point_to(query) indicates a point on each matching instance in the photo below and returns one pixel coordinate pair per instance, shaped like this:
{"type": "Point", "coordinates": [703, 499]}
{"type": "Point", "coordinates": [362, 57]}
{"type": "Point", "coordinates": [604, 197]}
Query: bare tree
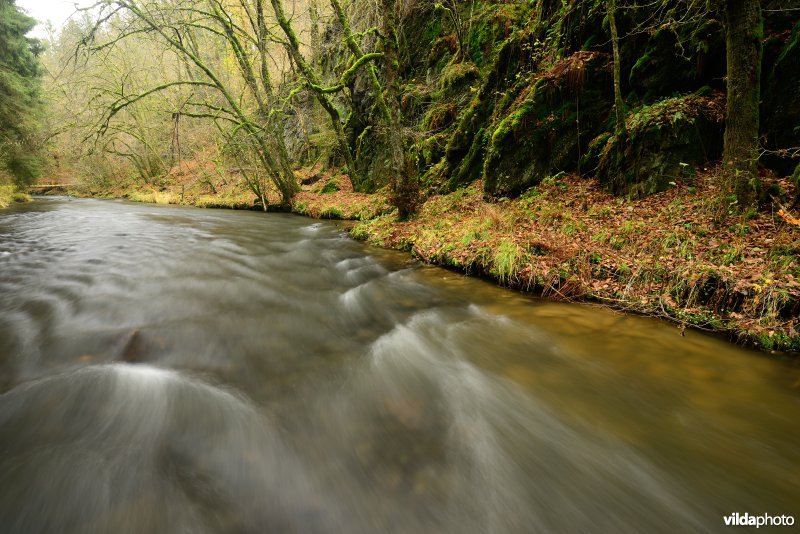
{"type": "Point", "coordinates": [179, 25]}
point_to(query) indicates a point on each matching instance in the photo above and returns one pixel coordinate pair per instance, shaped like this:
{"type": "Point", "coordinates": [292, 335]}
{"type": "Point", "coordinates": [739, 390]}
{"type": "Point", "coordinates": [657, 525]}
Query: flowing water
{"type": "Point", "coordinates": [172, 370]}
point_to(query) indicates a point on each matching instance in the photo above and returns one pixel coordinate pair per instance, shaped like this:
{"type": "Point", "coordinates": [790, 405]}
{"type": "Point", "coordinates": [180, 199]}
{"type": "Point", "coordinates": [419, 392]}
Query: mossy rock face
{"type": "Point", "coordinates": [466, 147]}
{"type": "Point", "coordinates": [458, 76]}
{"type": "Point", "coordinates": [666, 67]}
{"type": "Point", "coordinates": [440, 117]}
{"type": "Point", "coordinates": [429, 151]}
{"type": "Point", "coordinates": [372, 157]}
{"type": "Point", "coordinates": [575, 25]}
{"type": "Point", "coordinates": [421, 33]}
{"type": "Point", "coordinates": [665, 142]}
{"type": "Point", "coordinates": [781, 106]}
{"type": "Point", "coordinates": [544, 129]}
{"type": "Point", "coordinates": [412, 98]}
{"type": "Point", "coordinates": [493, 24]}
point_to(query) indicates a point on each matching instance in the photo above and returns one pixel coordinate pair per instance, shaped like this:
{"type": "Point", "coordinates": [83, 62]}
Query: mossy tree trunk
{"type": "Point", "coordinates": [358, 53]}
{"type": "Point", "coordinates": [314, 83]}
{"type": "Point", "coordinates": [743, 42]}
{"type": "Point", "coordinates": [619, 105]}
{"type": "Point", "coordinates": [405, 189]}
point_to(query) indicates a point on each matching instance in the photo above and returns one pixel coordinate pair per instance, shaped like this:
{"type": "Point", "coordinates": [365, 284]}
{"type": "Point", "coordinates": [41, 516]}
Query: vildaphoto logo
{"type": "Point", "coordinates": [764, 520]}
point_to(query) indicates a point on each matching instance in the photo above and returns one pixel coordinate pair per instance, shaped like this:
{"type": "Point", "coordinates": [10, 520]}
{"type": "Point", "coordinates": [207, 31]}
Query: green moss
{"type": "Point", "coordinates": [330, 187]}
{"type": "Point", "coordinates": [665, 142]}
{"type": "Point", "coordinates": [777, 340]}
{"type": "Point", "coordinates": [300, 207]}
{"type": "Point", "coordinates": [139, 196]}
{"type": "Point", "coordinates": [433, 29]}
{"type": "Point", "coordinates": [458, 75]}
{"type": "Point", "coordinates": [227, 202]}
{"type": "Point", "coordinates": [470, 236]}
{"type": "Point", "coordinates": [513, 121]}
{"type": "Point", "coordinates": [701, 319]}
{"type": "Point", "coordinates": [439, 116]}
{"type": "Point", "coordinates": [331, 213]}
{"type": "Point", "coordinates": [6, 195]}
{"type": "Point", "coordinates": [493, 24]}
{"type": "Point", "coordinates": [10, 194]}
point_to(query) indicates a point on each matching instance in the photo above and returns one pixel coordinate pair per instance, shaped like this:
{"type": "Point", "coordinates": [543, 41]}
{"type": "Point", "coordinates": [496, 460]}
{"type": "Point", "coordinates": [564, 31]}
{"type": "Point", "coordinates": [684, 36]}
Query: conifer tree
{"type": "Point", "coordinates": [20, 88]}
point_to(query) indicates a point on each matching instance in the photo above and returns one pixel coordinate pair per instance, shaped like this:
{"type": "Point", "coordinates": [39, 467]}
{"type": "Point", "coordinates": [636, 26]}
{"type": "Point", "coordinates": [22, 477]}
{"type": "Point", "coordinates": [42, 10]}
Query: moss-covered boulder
{"type": "Point", "coordinates": [549, 124]}
{"type": "Point", "coordinates": [665, 142]}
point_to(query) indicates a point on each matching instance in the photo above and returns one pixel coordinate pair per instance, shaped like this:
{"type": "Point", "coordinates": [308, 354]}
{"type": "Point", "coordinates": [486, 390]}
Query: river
{"type": "Point", "coordinates": [170, 369]}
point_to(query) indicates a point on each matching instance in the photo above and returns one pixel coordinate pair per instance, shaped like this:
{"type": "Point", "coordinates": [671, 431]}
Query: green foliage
{"type": "Point", "coordinates": [769, 342]}
{"type": "Point", "coordinates": [330, 187]}
{"type": "Point", "coordinates": [507, 259]}
{"type": "Point", "coordinates": [20, 88]}
{"type": "Point", "coordinates": [702, 320]}
{"type": "Point", "coordinates": [19, 196]}
{"type": "Point", "coordinates": [491, 26]}
{"type": "Point", "coordinates": [438, 117]}
{"type": "Point", "coordinates": [6, 195]}
{"type": "Point", "coordinates": [331, 213]}
{"type": "Point", "coordinates": [741, 229]}
{"type": "Point", "coordinates": [570, 228]}
{"type": "Point", "coordinates": [470, 236]}
{"type": "Point", "coordinates": [727, 254]}
{"type": "Point", "coordinates": [433, 29]}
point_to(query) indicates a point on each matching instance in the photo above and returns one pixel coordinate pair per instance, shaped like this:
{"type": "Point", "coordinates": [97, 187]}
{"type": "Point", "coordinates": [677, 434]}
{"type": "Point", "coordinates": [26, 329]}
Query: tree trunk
{"type": "Point", "coordinates": [278, 167]}
{"type": "Point", "coordinates": [743, 42]}
{"type": "Point", "coordinates": [405, 189]}
{"type": "Point", "coordinates": [619, 105]}
{"type": "Point", "coordinates": [314, 81]}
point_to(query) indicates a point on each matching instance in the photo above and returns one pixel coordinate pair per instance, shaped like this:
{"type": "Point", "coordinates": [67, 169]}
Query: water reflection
{"type": "Point", "coordinates": [170, 369]}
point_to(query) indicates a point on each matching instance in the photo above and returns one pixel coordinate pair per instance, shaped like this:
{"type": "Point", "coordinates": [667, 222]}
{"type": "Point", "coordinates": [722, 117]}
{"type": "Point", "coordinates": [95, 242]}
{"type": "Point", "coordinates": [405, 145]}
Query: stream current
{"type": "Point", "coordinates": [169, 369]}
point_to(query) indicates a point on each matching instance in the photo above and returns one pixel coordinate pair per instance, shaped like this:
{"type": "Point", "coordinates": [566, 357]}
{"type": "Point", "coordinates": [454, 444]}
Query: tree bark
{"type": "Point", "coordinates": [619, 105]}
{"type": "Point", "coordinates": [314, 83]}
{"type": "Point", "coordinates": [743, 42]}
{"type": "Point", "coordinates": [405, 189]}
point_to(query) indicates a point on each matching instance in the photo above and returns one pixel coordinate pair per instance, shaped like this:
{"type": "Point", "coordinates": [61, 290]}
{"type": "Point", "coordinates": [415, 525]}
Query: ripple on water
{"type": "Point", "coordinates": [344, 392]}
{"type": "Point", "coordinates": [151, 449]}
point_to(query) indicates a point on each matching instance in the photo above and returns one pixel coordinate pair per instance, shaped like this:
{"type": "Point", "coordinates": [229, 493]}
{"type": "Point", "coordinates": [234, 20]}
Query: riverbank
{"type": "Point", "coordinates": [10, 194]}
{"type": "Point", "coordinates": [681, 255]}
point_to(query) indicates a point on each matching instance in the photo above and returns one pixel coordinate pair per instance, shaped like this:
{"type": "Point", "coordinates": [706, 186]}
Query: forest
{"type": "Point", "coordinates": [640, 154]}
{"type": "Point", "coordinates": [399, 266]}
